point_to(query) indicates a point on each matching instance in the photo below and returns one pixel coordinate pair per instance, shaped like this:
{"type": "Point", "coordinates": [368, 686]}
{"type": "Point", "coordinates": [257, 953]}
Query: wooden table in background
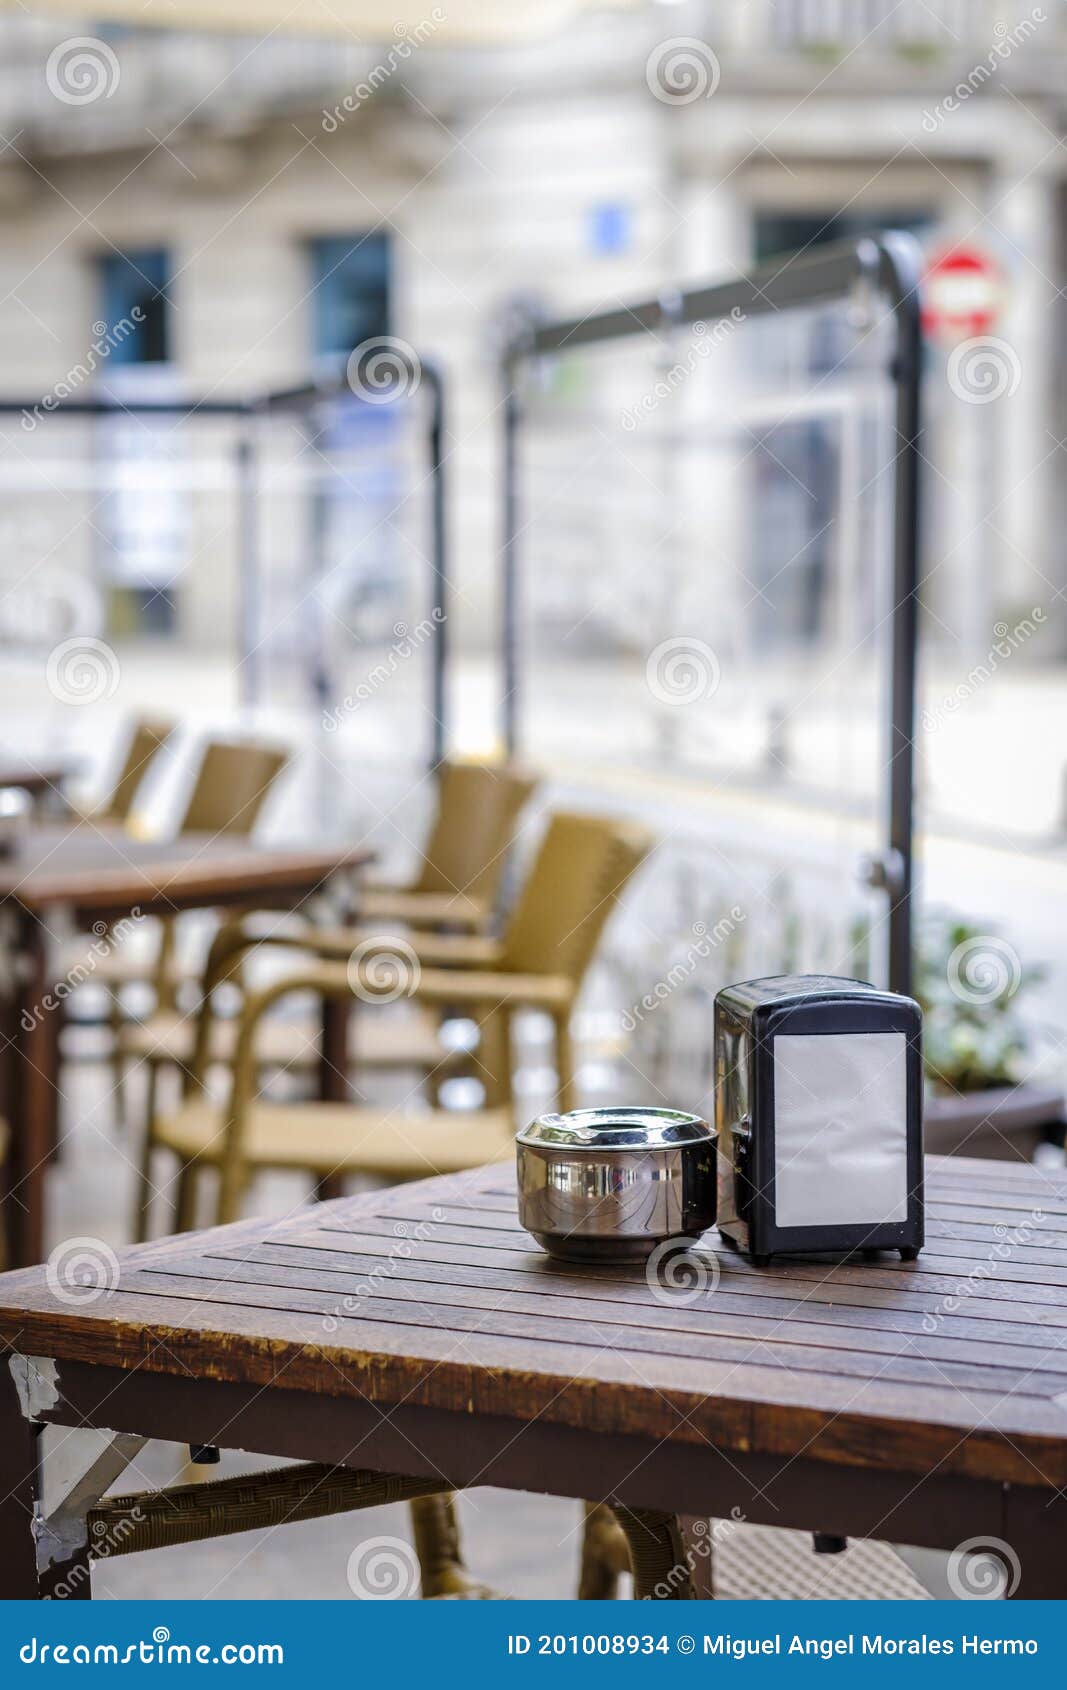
{"type": "Point", "coordinates": [101, 874]}
{"type": "Point", "coordinates": [920, 1403]}
{"type": "Point", "coordinates": [43, 780]}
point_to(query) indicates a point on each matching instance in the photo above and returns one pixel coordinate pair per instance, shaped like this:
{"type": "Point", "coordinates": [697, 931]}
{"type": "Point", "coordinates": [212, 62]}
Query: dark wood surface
{"type": "Point", "coordinates": [99, 870]}
{"type": "Point", "coordinates": [452, 1307]}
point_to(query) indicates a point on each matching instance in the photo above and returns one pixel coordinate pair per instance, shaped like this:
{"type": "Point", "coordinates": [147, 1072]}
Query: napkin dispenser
{"type": "Point", "coordinates": [818, 1117]}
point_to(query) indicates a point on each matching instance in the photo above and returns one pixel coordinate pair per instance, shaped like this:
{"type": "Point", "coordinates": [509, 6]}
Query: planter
{"type": "Point", "coordinates": [1005, 1123]}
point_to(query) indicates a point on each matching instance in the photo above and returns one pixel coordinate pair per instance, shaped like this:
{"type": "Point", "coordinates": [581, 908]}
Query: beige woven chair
{"type": "Point", "coordinates": [231, 786]}
{"type": "Point", "coordinates": [478, 806]}
{"type": "Point", "coordinates": [148, 738]}
{"type": "Point", "coordinates": [579, 872]}
{"type": "Point", "coordinates": [228, 793]}
{"type": "Point", "coordinates": [409, 1042]}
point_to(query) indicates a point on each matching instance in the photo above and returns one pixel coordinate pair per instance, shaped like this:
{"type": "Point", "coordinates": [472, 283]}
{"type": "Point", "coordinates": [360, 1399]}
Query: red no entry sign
{"type": "Point", "coordinates": [962, 294]}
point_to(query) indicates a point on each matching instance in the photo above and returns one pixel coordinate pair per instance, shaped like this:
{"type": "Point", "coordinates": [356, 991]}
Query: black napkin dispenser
{"type": "Point", "coordinates": [818, 1116]}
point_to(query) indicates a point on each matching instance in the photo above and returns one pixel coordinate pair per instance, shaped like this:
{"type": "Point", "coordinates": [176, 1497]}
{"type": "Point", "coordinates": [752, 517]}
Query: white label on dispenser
{"type": "Point", "coordinates": [840, 1129]}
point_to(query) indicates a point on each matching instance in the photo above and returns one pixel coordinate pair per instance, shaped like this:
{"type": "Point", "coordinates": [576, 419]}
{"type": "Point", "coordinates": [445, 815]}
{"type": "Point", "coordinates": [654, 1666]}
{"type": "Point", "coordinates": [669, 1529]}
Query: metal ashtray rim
{"type": "Point", "coordinates": [620, 1128]}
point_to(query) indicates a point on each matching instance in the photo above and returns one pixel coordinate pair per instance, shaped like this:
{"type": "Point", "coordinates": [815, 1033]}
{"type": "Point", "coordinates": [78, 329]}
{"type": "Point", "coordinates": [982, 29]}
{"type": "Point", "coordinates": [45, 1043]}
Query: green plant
{"type": "Point", "coordinates": [969, 982]}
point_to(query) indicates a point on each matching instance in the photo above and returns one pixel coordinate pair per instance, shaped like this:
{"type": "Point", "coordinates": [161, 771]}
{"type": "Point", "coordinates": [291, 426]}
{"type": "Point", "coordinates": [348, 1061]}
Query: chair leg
{"type": "Point", "coordinates": [660, 1555]}
{"type": "Point", "coordinates": [436, 1533]}
{"type": "Point", "coordinates": [565, 1080]}
{"type": "Point", "coordinates": [118, 1061]}
{"type": "Point", "coordinates": [188, 1188]}
{"type": "Point", "coordinates": [233, 1180]}
{"type": "Point", "coordinates": [605, 1555]}
{"type": "Point", "coordinates": [494, 1058]}
{"type": "Point", "coordinates": [144, 1172]}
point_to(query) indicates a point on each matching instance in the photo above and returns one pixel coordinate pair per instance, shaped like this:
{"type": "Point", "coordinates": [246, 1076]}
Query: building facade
{"type": "Point", "coordinates": [223, 216]}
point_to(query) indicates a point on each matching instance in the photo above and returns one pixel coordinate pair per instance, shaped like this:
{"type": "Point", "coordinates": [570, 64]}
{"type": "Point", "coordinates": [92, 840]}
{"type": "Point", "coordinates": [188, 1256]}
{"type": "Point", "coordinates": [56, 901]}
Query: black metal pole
{"type": "Point", "coordinates": [248, 568]}
{"type": "Point", "coordinates": [440, 648]}
{"type": "Point", "coordinates": [900, 274]}
{"type": "Point", "coordinates": [509, 583]}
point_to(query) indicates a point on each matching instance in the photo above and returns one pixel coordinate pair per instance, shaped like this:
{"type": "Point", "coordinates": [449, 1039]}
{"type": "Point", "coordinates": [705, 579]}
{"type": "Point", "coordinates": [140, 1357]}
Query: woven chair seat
{"type": "Point", "coordinates": [376, 1040]}
{"type": "Point", "coordinates": [328, 1138]}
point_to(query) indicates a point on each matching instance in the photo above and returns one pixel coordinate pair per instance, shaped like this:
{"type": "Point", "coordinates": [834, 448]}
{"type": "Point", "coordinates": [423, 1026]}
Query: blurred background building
{"type": "Point", "coordinates": [269, 204]}
{"type": "Point", "coordinates": [212, 216]}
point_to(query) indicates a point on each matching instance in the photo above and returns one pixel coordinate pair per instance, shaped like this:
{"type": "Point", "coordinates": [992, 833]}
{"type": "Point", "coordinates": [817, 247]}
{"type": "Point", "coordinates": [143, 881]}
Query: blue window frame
{"type": "Point", "coordinates": [350, 291]}
{"type": "Point", "coordinates": [137, 282]}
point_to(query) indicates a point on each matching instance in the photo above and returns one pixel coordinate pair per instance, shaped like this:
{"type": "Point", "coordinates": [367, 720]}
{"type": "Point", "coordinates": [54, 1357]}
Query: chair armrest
{"type": "Point", "coordinates": [476, 988]}
{"type": "Point", "coordinates": [435, 950]}
{"type": "Point", "coordinates": [422, 909]}
{"type": "Point", "coordinates": [552, 992]}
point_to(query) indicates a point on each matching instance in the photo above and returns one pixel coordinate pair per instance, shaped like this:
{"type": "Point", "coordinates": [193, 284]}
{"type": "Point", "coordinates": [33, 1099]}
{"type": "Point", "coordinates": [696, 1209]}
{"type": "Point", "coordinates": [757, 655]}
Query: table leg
{"type": "Point", "coordinates": [697, 1537]}
{"type": "Point", "coordinates": [18, 1477]}
{"type": "Point", "coordinates": [333, 1073]}
{"type": "Point", "coordinates": [1035, 1529]}
{"type": "Point", "coordinates": [31, 1096]}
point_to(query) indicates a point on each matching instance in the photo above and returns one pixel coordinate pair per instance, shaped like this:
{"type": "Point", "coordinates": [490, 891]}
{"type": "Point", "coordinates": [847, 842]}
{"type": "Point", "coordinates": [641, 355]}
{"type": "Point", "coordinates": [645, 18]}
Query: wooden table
{"type": "Point", "coordinates": [43, 780]}
{"type": "Point", "coordinates": [99, 874]}
{"type": "Point", "coordinates": [850, 1399]}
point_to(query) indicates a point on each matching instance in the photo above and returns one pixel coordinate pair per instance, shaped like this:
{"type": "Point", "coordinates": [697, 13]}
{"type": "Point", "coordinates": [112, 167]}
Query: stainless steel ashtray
{"type": "Point", "coordinates": [610, 1184]}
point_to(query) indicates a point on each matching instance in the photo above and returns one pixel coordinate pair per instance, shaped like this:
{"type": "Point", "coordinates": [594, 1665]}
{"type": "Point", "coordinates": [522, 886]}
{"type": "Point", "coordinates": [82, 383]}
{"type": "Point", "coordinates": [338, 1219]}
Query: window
{"type": "Point", "coordinates": [142, 610]}
{"type": "Point", "coordinates": [350, 291]}
{"type": "Point", "coordinates": [136, 282]}
{"type": "Point", "coordinates": [778, 232]}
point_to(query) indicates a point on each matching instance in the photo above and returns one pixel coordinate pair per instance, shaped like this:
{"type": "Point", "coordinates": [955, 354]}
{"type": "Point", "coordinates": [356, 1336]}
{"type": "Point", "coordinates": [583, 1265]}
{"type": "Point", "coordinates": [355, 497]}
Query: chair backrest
{"type": "Point", "coordinates": [149, 736]}
{"type": "Point", "coordinates": [231, 784]}
{"type": "Point", "coordinates": [478, 806]}
{"type": "Point", "coordinates": [581, 867]}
